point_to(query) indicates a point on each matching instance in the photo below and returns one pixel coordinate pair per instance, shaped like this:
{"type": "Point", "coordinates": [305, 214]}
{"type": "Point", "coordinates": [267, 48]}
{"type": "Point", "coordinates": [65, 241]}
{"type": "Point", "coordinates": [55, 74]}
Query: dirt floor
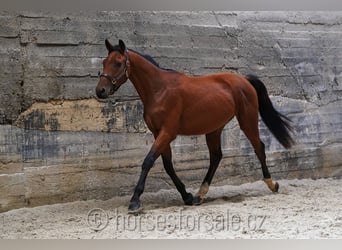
{"type": "Point", "coordinates": [301, 209]}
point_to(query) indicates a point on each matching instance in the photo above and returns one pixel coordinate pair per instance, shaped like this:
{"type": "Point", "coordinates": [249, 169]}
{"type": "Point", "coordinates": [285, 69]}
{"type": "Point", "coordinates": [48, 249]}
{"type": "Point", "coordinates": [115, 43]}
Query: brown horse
{"type": "Point", "coordinates": [177, 104]}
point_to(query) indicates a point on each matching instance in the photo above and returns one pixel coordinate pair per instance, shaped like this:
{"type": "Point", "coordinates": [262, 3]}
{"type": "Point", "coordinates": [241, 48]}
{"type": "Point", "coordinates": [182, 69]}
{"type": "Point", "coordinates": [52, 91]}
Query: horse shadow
{"type": "Point", "coordinates": [217, 195]}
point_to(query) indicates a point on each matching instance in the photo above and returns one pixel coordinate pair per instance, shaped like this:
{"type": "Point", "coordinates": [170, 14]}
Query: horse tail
{"type": "Point", "coordinates": [278, 124]}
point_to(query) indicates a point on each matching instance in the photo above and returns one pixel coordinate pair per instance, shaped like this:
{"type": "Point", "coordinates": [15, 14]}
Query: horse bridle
{"type": "Point", "coordinates": [114, 80]}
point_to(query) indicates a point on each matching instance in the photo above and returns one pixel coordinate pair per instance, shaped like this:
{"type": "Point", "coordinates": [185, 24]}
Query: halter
{"type": "Point", "coordinates": [114, 80]}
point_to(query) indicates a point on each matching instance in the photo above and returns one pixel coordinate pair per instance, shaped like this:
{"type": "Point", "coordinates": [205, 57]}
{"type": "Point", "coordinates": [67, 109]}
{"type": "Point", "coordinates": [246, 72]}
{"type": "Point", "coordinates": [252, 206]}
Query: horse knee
{"type": "Point", "coordinates": [148, 162]}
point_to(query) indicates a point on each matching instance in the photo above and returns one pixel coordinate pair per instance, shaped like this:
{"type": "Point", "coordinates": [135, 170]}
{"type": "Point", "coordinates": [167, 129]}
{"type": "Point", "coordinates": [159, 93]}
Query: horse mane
{"type": "Point", "coordinates": [145, 56]}
{"type": "Point", "coordinates": [151, 60]}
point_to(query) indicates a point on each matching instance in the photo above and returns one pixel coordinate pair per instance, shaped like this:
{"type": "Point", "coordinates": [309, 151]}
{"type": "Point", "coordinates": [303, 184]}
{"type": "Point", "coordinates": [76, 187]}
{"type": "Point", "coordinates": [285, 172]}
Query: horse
{"type": "Point", "coordinates": [179, 104]}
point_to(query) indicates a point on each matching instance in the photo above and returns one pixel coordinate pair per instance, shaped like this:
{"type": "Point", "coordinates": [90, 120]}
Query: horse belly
{"type": "Point", "coordinates": [206, 119]}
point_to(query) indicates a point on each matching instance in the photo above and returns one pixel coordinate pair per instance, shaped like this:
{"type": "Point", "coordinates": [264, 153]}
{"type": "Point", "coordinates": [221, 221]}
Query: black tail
{"type": "Point", "coordinates": [278, 124]}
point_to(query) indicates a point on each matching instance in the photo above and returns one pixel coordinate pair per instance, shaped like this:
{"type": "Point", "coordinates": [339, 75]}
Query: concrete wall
{"type": "Point", "coordinates": [58, 143]}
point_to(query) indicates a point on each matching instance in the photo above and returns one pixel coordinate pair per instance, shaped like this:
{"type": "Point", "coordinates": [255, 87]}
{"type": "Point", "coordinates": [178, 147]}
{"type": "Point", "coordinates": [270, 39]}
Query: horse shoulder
{"type": "Point", "coordinates": [164, 110]}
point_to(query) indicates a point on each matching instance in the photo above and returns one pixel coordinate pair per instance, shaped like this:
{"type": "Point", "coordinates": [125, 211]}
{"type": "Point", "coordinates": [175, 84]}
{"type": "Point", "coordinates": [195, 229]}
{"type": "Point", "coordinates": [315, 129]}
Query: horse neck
{"type": "Point", "coordinates": [145, 77]}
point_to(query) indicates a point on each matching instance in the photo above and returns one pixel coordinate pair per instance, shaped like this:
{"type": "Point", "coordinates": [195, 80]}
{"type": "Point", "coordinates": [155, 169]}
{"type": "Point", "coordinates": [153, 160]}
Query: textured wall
{"type": "Point", "coordinates": [57, 143]}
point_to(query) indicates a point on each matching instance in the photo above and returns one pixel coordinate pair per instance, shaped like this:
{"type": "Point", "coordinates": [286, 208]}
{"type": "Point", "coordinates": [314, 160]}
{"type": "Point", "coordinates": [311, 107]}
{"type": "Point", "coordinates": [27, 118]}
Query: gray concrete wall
{"type": "Point", "coordinates": [58, 144]}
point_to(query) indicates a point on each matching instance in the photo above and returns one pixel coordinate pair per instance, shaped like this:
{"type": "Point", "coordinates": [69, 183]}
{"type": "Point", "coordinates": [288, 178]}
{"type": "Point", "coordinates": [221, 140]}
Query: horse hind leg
{"type": "Point", "coordinates": [249, 125]}
{"type": "Point", "coordinates": [273, 186]}
{"type": "Point", "coordinates": [214, 145]}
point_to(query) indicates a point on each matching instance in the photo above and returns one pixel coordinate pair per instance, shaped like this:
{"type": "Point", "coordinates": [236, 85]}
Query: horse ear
{"type": "Point", "coordinates": [109, 46]}
{"type": "Point", "coordinates": [122, 46]}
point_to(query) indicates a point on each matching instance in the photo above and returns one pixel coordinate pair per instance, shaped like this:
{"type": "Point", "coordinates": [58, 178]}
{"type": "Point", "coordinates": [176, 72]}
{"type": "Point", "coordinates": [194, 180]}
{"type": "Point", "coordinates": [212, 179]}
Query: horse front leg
{"type": "Point", "coordinates": [134, 205]}
{"type": "Point", "coordinates": [160, 144]}
{"type": "Point", "coordinates": [167, 161]}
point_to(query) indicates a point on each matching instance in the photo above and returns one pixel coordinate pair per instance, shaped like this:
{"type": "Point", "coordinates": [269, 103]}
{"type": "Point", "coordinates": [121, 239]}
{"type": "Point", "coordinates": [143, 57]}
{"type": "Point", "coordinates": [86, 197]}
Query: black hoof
{"type": "Point", "coordinates": [189, 199]}
{"type": "Point", "coordinates": [276, 187]}
{"type": "Point", "coordinates": [197, 200]}
{"type": "Point", "coordinates": [134, 207]}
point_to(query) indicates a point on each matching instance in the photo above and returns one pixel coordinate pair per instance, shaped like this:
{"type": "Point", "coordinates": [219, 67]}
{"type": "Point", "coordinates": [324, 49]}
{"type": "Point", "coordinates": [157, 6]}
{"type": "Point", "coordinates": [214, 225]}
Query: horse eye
{"type": "Point", "coordinates": [118, 65]}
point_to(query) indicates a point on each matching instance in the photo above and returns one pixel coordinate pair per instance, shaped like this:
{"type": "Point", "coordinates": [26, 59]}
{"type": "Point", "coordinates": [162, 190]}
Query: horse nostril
{"type": "Point", "coordinates": [101, 93]}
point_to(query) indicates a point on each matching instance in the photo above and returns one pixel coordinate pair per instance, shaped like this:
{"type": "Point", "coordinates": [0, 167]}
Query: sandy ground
{"type": "Point", "coordinates": [301, 209]}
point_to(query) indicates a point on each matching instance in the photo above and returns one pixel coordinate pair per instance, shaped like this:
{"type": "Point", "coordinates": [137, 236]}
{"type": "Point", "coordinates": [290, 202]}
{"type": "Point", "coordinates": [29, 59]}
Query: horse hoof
{"type": "Point", "coordinates": [134, 207]}
{"type": "Point", "coordinates": [276, 188]}
{"type": "Point", "coordinates": [197, 200]}
{"type": "Point", "coordinates": [189, 199]}
{"type": "Point", "coordinates": [273, 186]}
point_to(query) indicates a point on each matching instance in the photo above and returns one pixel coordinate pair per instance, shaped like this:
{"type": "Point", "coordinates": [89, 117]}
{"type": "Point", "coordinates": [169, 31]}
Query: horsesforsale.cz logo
{"type": "Point", "coordinates": [97, 219]}
{"type": "Point", "coordinates": [181, 220]}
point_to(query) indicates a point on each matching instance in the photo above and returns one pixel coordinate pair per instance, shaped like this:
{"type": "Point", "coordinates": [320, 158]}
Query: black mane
{"type": "Point", "coordinates": [146, 56]}
{"type": "Point", "coordinates": [151, 60]}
